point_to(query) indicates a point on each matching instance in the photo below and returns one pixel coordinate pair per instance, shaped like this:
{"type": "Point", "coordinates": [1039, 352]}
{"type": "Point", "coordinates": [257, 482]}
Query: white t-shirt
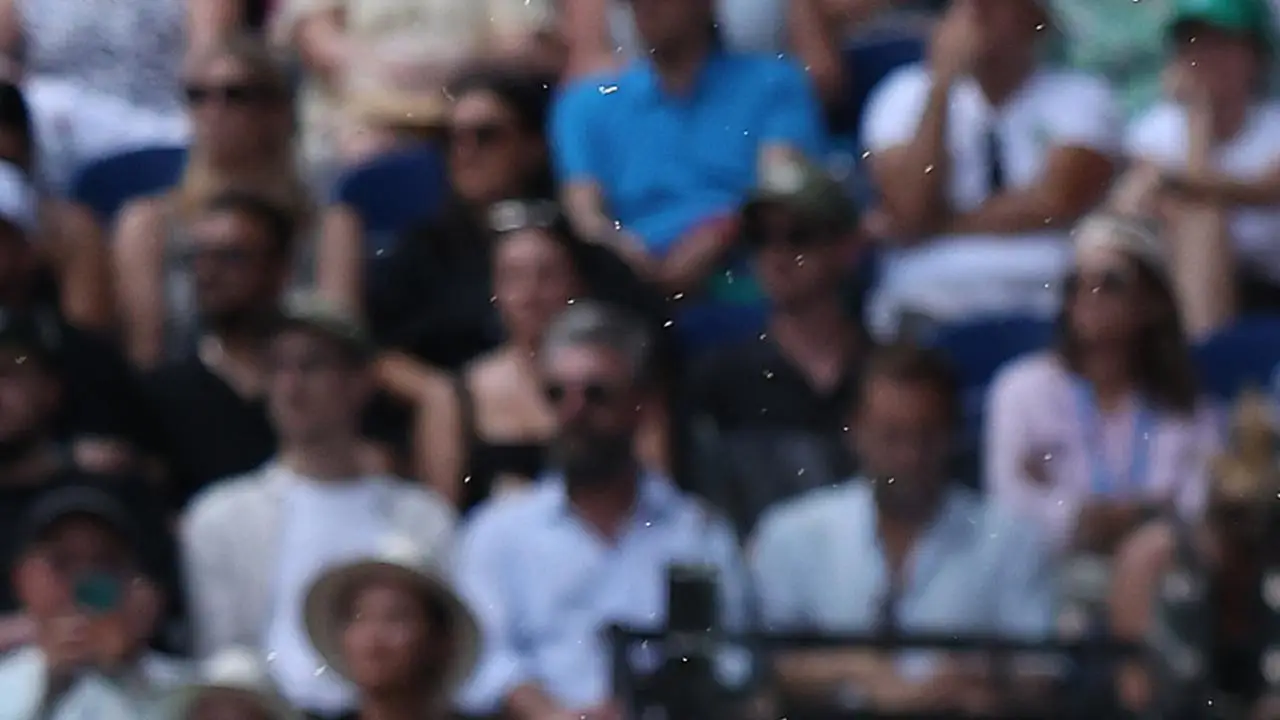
{"type": "Point", "coordinates": [325, 523]}
{"type": "Point", "coordinates": [1160, 136]}
{"type": "Point", "coordinates": [959, 276]}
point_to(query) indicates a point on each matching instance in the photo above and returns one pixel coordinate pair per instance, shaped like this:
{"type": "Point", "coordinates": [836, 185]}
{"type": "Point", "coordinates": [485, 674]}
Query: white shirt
{"type": "Point", "coordinates": [325, 523]}
{"type": "Point", "coordinates": [1160, 136]}
{"type": "Point", "coordinates": [953, 277]}
{"type": "Point", "coordinates": [138, 696]}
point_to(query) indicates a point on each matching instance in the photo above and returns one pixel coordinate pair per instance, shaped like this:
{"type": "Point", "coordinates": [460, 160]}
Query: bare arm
{"type": "Point", "coordinates": [12, 44]}
{"type": "Point", "coordinates": [585, 208]}
{"type": "Point", "coordinates": [340, 258]}
{"type": "Point", "coordinates": [209, 20]}
{"type": "Point", "coordinates": [83, 266]}
{"type": "Point", "coordinates": [653, 443]}
{"type": "Point", "coordinates": [812, 36]}
{"type": "Point", "coordinates": [585, 27]}
{"type": "Point", "coordinates": [911, 177]}
{"type": "Point", "coordinates": [696, 256]}
{"type": "Point", "coordinates": [439, 453]}
{"type": "Point", "coordinates": [321, 41]}
{"type": "Point", "coordinates": [1074, 181]}
{"type": "Point", "coordinates": [1139, 565]}
{"type": "Point", "coordinates": [138, 251]}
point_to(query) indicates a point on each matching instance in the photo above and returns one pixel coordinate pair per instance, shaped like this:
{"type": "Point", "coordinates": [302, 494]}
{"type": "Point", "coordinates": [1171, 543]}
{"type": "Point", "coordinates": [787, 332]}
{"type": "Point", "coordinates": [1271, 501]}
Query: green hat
{"type": "Point", "coordinates": [806, 190]}
{"type": "Point", "coordinates": [1246, 17]}
{"type": "Point", "coordinates": [311, 312]}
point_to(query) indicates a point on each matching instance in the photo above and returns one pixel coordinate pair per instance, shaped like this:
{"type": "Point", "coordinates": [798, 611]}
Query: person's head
{"type": "Point", "coordinates": [30, 384]}
{"type": "Point", "coordinates": [18, 230]}
{"type": "Point", "coordinates": [233, 684]}
{"type": "Point", "coordinates": [79, 552]}
{"type": "Point", "coordinates": [320, 379]}
{"type": "Point", "coordinates": [227, 704]}
{"type": "Point", "coordinates": [535, 273]}
{"type": "Point", "coordinates": [241, 249]}
{"type": "Point", "coordinates": [239, 100]}
{"type": "Point", "coordinates": [392, 626]}
{"type": "Point", "coordinates": [1225, 43]}
{"type": "Point", "coordinates": [1118, 295]}
{"type": "Point", "coordinates": [669, 27]}
{"type": "Point", "coordinates": [17, 138]}
{"type": "Point", "coordinates": [904, 423]}
{"type": "Point", "coordinates": [1009, 30]}
{"type": "Point", "coordinates": [804, 233]}
{"type": "Point", "coordinates": [496, 136]}
{"type": "Point", "coordinates": [596, 364]}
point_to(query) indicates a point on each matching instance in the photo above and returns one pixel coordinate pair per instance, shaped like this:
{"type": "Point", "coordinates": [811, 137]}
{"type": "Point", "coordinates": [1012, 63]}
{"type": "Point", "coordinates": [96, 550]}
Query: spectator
{"type": "Point", "coordinates": [1203, 588]}
{"type": "Point", "coordinates": [73, 252]}
{"type": "Point", "coordinates": [239, 102]}
{"type": "Point", "coordinates": [95, 605]}
{"type": "Point", "coordinates": [901, 551]}
{"type": "Point", "coordinates": [1214, 142]}
{"type": "Point", "coordinates": [656, 165]}
{"type": "Point", "coordinates": [601, 33]}
{"type": "Point", "coordinates": [341, 41]}
{"type": "Point", "coordinates": [1089, 438]}
{"type": "Point", "coordinates": [209, 21]}
{"type": "Point", "coordinates": [96, 421]}
{"type": "Point", "coordinates": [780, 402]}
{"type": "Point", "coordinates": [547, 570]}
{"type": "Point", "coordinates": [235, 683]}
{"type": "Point", "coordinates": [100, 77]}
{"type": "Point", "coordinates": [983, 158]}
{"type": "Point", "coordinates": [394, 626]}
{"type": "Point", "coordinates": [254, 543]}
{"type": "Point", "coordinates": [496, 152]}
{"type": "Point", "coordinates": [504, 424]}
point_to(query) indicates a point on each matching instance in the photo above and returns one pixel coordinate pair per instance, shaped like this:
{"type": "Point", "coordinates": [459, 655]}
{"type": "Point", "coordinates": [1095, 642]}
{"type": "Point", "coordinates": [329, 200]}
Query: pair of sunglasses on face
{"type": "Point", "coordinates": [1108, 282]}
{"type": "Point", "coordinates": [232, 94]}
{"type": "Point", "coordinates": [594, 394]}
{"type": "Point", "coordinates": [479, 135]}
{"type": "Point", "coordinates": [799, 238]}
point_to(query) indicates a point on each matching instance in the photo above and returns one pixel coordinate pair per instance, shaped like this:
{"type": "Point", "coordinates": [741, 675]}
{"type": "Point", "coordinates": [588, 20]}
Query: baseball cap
{"type": "Point", "coordinates": [805, 189]}
{"type": "Point", "coordinates": [1246, 17]}
{"type": "Point", "coordinates": [78, 500]}
{"type": "Point", "coordinates": [32, 333]}
{"type": "Point", "coordinates": [17, 198]}
{"type": "Point", "coordinates": [310, 311]}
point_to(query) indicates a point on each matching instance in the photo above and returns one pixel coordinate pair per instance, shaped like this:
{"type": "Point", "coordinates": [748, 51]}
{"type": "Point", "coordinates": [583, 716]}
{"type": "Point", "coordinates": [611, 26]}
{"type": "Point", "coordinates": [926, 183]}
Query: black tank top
{"type": "Point", "coordinates": [488, 461]}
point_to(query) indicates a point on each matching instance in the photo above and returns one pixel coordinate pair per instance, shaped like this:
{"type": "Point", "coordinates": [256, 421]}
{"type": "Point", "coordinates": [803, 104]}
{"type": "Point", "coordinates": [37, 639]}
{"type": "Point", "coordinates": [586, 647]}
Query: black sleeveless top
{"type": "Point", "coordinates": [488, 461]}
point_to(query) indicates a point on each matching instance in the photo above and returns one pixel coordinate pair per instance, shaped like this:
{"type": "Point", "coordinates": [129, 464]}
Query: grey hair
{"type": "Point", "coordinates": [587, 322]}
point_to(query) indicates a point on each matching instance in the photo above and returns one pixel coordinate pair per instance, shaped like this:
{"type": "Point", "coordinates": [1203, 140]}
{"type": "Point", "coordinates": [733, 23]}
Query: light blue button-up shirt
{"type": "Point", "coordinates": [818, 566]}
{"type": "Point", "coordinates": [544, 586]}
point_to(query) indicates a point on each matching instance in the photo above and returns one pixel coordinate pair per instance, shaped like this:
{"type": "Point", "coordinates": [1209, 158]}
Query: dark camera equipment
{"type": "Point", "coordinates": [685, 686]}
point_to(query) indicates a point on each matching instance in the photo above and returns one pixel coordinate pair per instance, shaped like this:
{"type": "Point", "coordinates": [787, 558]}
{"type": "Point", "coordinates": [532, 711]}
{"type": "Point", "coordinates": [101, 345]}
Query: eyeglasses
{"type": "Point", "coordinates": [594, 394]}
{"type": "Point", "coordinates": [232, 94]}
{"type": "Point", "coordinates": [479, 135]}
{"type": "Point", "coordinates": [1108, 282]}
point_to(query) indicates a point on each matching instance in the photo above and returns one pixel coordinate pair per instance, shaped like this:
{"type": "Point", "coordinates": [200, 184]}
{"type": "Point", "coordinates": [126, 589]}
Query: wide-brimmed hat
{"type": "Point", "coordinates": [314, 313]}
{"type": "Point", "coordinates": [326, 607]}
{"type": "Point", "coordinates": [1242, 17]}
{"type": "Point", "coordinates": [238, 670]}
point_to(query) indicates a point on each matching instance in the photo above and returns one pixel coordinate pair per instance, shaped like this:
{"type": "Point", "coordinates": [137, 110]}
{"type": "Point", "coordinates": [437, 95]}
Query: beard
{"type": "Point", "coordinates": [591, 457]}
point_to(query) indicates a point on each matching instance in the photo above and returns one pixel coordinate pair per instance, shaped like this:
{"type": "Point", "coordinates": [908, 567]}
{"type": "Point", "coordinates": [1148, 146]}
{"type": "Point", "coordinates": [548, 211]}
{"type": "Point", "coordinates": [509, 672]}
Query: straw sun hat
{"type": "Point", "coordinates": [236, 670]}
{"type": "Point", "coordinates": [327, 603]}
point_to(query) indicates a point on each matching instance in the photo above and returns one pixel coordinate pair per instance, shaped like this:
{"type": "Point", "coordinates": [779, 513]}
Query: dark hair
{"type": "Point", "coordinates": [279, 224]}
{"type": "Point", "coordinates": [15, 116]}
{"type": "Point", "coordinates": [912, 364]}
{"type": "Point", "coordinates": [528, 95]}
{"type": "Point", "coordinates": [1165, 370]}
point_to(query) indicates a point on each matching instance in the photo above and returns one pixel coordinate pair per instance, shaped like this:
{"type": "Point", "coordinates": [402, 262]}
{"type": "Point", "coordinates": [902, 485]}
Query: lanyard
{"type": "Point", "coordinates": [1101, 480]}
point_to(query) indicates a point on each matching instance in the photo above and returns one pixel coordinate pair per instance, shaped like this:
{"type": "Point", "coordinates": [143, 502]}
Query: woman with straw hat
{"type": "Point", "coordinates": [394, 627]}
{"type": "Point", "coordinates": [234, 684]}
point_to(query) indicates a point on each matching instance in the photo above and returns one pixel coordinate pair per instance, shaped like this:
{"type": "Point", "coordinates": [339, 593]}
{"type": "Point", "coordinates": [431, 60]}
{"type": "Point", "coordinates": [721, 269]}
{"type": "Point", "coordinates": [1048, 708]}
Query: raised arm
{"type": "Point", "coordinates": [137, 253]}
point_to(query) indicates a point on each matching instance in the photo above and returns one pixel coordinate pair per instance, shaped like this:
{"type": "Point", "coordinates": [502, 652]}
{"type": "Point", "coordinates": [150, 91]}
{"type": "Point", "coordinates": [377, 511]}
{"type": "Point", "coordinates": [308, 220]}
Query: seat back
{"type": "Point", "coordinates": [105, 185]}
{"type": "Point", "coordinates": [391, 193]}
{"type": "Point", "coordinates": [1245, 354]}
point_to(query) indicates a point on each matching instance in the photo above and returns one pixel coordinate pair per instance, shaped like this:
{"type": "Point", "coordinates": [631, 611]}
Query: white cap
{"type": "Point", "coordinates": [17, 198]}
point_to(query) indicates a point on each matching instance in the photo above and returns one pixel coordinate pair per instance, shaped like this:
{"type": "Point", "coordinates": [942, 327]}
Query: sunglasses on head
{"type": "Point", "coordinates": [1109, 282]}
{"type": "Point", "coordinates": [229, 94]}
{"type": "Point", "coordinates": [511, 216]}
{"type": "Point", "coordinates": [594, 394]}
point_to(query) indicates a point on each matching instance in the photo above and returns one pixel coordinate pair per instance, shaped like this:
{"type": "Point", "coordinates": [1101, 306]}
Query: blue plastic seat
{"type": "Point", "coordinates": [106, 184]}
{"type": "Point", "coordinates": [1245, 354]}
{"type": "Point", "coordinates": [391, 193]}
{"type": "Point", "coordinates": [869, 61]}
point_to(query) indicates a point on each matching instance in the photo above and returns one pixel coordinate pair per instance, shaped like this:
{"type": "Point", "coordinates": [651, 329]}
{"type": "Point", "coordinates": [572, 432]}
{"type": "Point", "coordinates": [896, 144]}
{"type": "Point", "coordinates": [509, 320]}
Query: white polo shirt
{"type": "Point", "coordinates": [953, 277]}
{"type": "Point", "coordinates": [1160, 136]}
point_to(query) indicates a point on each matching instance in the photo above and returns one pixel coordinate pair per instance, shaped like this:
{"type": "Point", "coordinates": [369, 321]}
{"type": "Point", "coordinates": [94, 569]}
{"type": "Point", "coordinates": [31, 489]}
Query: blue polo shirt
{"type": "Point", "coordinates": [666, 163]}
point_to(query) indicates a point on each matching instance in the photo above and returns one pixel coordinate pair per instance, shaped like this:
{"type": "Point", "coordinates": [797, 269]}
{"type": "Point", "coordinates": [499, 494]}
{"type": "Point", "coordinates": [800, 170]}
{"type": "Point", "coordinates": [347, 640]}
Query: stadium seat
{"type": "Point", "coordinates": [1245, 354]}
{"type": "Point", "coordinates": [868, 61]}
{"type": "Point", "coordinates": [391, 193]}
{"type": "Point", "coordinates": [106, 184]}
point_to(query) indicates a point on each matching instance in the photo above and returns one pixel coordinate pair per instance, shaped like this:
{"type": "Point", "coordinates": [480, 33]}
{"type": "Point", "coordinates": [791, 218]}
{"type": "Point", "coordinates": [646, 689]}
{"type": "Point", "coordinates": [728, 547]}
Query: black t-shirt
{"type": "Point", "coordinates": [205, 431]}
{"type": "Point", "coordinates": [100, 391]}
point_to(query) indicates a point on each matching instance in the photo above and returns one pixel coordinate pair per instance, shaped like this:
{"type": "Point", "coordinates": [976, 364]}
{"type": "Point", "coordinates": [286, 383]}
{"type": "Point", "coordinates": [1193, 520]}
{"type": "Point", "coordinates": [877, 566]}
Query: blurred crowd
{"type": "Point", "coordinates": [417, 343]}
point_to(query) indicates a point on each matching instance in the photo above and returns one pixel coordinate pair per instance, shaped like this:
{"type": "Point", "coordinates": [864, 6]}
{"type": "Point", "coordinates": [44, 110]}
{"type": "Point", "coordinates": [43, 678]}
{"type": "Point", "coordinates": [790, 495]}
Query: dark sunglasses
{"type": "Point", "coordinates": [230, 256]}
{"type": "Point", "coordinates": [231, 94]}
{"type": "Point", "coordinates": [799, 238]}
{"type": "Point", "coordinates": [593, 394]}
{"type": "Point", "coordinates": [1109, 282]}
{"type": "Point", "coordinates": [480, 135]}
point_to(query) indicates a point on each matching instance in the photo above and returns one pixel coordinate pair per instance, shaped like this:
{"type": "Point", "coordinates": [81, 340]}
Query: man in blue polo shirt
{"type": "Point", "coordinates": [655, 159]}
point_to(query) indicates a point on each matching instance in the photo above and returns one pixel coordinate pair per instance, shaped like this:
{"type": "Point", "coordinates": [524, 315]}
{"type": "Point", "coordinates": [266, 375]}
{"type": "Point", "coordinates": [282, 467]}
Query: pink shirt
{"type": "Point", "coordinates": [1039, 459]}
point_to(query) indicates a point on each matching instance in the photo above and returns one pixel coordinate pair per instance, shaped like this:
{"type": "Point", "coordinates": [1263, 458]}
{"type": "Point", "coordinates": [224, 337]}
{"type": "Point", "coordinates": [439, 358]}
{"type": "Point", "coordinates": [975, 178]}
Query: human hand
{"type": "Point", "coordinates": [1186, 84]}
{"type": "Point", "coordinates": [117, 634]}
{"type": "Point", "coordinates": [954, 44]}
{"type": "Point", "coordinates": [1102, 524]}
{"type": "Point", "coordinates": [67, 643]}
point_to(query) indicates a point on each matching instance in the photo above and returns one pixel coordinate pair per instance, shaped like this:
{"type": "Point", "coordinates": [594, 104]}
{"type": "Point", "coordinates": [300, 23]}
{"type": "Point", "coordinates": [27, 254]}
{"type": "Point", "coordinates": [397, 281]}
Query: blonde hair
{"type": "Point", "coordinates": [200, 181]}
